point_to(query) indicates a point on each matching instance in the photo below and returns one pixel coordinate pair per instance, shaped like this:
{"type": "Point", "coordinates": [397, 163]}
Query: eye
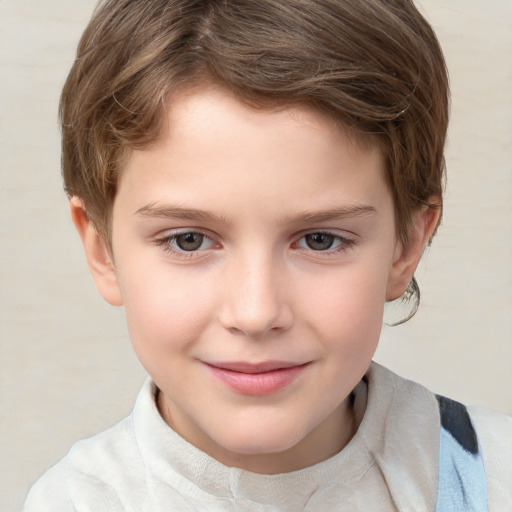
{"type": "Point", "coordinates": [323, 241]}
{"type": "Point", "coordinates": [185, 242]}
{"type": "Point", "coordinates": [319, 241]}
{"type": "Point", "coordinates": [189, 241]}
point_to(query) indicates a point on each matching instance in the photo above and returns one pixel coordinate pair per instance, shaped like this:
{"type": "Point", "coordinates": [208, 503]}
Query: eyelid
{"type": "Point", "coordinates": [170, 232]}
{"type": "Point", "coordinates": [338, 233]}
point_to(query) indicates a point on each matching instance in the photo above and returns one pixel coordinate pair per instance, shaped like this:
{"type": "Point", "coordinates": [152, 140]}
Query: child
{"type": "Point", "coordinates": [252, 181]}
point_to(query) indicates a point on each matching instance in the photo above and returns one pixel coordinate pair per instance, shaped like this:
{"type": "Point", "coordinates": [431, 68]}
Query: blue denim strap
{"type": "Point", "coordinates": [462, 483]}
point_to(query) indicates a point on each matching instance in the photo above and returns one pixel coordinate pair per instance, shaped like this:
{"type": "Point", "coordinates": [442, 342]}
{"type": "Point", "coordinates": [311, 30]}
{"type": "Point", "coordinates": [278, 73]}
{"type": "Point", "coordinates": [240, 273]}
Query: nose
{"type": "Point", "coordinates": [255, 298]}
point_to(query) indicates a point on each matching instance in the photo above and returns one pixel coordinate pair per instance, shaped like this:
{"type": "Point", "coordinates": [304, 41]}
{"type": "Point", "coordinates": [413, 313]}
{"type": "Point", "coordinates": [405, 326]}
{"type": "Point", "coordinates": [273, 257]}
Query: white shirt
{"type": "Point", "coordinates": [391, 463]}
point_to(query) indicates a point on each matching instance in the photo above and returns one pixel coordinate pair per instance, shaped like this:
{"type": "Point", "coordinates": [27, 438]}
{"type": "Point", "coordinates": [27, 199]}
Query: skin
{"type": "Point", "coordinates": [258, 188]}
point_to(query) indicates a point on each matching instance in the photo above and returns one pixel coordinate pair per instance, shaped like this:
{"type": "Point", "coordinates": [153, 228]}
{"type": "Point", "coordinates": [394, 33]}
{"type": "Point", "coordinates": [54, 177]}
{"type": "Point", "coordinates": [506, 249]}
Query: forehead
{"type": "Point", "coordinates": [213, 146]}
{"type": "Point", "coordinates": [205, 101]}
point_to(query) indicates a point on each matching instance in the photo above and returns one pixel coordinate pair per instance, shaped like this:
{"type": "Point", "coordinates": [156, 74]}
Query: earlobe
{"type": "Point", "coordinates": [407, 256]}
{"type": "Point", "coordinates": [98, 256]}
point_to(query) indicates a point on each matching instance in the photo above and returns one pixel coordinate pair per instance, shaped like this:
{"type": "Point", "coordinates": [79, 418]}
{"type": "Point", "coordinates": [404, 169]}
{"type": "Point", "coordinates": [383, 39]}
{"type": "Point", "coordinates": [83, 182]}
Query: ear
{"type": "Point", "coordinates": [98, 256]}
{"type": "Point", "coordinates": [407, 256]}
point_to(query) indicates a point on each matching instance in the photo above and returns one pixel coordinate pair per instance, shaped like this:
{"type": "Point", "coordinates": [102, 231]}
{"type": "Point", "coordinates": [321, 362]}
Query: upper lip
{"type": "Point", "coordinates": [259, 367]}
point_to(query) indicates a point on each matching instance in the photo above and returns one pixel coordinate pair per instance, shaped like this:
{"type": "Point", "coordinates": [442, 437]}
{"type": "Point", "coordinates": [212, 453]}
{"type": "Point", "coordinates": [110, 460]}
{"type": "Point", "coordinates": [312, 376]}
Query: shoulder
{"type": "Point", "coordinates": [49, 492]}
{"type": "Point", "coordinates": [492, 425]}
{"type": "Point", "coordinates": [494, 428]}
{"type": "Point", "coordinates": [92, 463]}
{"type": "Point", "coordinates": [494, 432]}
{"type": "Point", "coordinates": [423, 413]}
{"type": "Point", "coordinates": [104, 473]}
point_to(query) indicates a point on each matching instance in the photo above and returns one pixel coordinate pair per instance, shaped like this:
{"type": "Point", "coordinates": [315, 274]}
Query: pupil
{"type": "Point", "coordinates": [319, 241]}
{"type": "Point", "coordinates": [189, 241]}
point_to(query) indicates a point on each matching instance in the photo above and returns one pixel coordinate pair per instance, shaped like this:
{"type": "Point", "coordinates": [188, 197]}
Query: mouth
{"type": "Point", "coordinates": [257, 379]}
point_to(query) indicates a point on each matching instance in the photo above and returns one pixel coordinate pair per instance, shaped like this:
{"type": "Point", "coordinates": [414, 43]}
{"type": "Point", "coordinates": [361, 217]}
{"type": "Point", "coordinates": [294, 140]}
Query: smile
{"type": "Point", "coordinates": [257, 379]}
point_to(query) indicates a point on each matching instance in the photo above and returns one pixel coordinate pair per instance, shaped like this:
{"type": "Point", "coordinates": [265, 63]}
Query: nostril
{"type": "Point", "coordinates": [240, 322]}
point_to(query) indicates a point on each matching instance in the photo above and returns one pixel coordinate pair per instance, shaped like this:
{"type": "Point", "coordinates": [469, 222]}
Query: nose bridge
{"type": "Point", "coordinates": [255, 302]}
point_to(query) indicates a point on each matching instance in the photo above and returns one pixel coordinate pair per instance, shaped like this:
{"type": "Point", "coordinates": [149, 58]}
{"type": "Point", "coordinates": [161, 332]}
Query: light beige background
{"type": "Point", "coordinates": [66, 366]}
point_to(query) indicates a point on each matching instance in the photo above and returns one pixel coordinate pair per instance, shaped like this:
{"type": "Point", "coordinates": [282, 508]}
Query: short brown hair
{"type": "Point", "coordinates": [375, 65]}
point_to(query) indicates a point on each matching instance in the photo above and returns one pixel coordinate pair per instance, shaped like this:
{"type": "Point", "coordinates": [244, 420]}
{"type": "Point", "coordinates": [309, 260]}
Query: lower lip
{"type": "Point", "coordinates": [258, 384]}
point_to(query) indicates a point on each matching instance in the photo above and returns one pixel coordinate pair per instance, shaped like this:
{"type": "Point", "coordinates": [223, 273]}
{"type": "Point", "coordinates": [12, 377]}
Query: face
{"type": "Point", "coordinates": [253, 252]}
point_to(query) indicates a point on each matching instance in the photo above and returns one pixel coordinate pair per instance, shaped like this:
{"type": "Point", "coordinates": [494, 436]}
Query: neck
{"type": "Point", "coordinates": [321, 443]}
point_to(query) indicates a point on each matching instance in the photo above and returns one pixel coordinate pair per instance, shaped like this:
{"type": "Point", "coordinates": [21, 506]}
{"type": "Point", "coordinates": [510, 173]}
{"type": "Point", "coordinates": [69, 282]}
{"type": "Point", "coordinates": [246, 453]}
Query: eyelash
{"type": "Point", "coordinates": [166, 243]}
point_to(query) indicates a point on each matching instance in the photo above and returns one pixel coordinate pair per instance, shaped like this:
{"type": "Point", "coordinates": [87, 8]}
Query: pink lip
{"type": "Point", "coordinates": [257, 379]}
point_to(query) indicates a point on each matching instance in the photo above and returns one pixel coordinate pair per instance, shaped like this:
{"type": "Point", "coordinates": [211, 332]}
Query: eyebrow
{"type": "Point", "coordinates": [336, 214]}
{"type": "Point", "coordinates": [153, 210]}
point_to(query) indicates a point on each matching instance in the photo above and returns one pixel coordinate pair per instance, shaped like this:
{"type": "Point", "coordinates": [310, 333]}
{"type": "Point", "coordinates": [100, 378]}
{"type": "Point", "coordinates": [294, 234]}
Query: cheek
{"type": "Point", "coordinates": [347, 306]}
{"type": "Point", "coordinates": [165, 309]}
